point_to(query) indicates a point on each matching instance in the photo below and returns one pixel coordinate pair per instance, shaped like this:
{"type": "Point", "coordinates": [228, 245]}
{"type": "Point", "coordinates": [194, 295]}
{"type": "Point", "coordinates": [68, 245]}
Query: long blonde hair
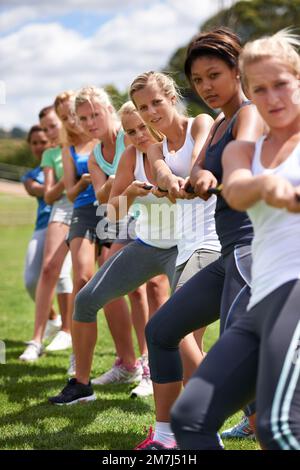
{"type": "Point", "coordinates": [92, 94]}
{"type": "Point", "coordinates": [165, 82]}
{"type": "Point", "coordinates": [282, 45]}
{"type": "Point", "coordinates": [66, 136]}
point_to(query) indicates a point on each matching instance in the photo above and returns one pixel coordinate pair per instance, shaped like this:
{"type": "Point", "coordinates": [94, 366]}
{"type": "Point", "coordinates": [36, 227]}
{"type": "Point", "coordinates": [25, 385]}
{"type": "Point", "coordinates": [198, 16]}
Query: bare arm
{"type": "Point", "coordinates": [249, 126]}
{"type": "Point", "coordinates": [101, 184]}
{"type": "Point", "coordinates": [160, 170]}
{"type": "Point", "coordinates": [162, 174]}
{"type": "Point", "coordinates": [53, 190]}
{"type": "Point", "coordinates": [237, 158]}
{"type": "Point", "coordinates": [200, 179]}
{"type": "Point", "coordinates": [34, 188]}
{"type": "Point", "coordinates": [125, 188]}
{"type": "Point", "coordinates": [200, 131]}
{"type": "Point", "coordinates": [242, 189]}
{"type": "Point", "coordinates": [72, 184]}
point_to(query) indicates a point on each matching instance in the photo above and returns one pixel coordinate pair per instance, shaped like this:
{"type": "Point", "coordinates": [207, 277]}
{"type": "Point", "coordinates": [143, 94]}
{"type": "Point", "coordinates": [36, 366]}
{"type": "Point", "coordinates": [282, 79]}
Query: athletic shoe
{"type": "Point", "coordinates": [52, 327]}
{"type": "Point", "coordinates": [72, 367]}
{"type": "Point", "coordinates": [61, 342]}
{"type": "Point", "coordinates": [74, 392]}
{"type": "Point", "coordinates": [33, 351]}
{"type": "Point", "coordinates": [242, 430]}
{"type": "Point", "coordinates": [119, 374]}
{"type": "Point", "coordinates": [150, 444]}
{"type": "Point", "coordinates": [144, 388]}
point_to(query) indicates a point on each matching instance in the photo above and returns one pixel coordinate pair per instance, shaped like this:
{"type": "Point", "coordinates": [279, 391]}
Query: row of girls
{"type": "Point", "coordinates": [66, 227]}
{"type": "Point", "coordinates": [255, 364]}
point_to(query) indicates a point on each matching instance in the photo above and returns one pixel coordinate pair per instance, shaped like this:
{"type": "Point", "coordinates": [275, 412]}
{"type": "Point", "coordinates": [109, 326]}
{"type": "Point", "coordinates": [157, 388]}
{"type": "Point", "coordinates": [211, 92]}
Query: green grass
{"type": "Point", "coordinates": [27, 421]}
{"type": "Point", "coordinates": [16, 211]}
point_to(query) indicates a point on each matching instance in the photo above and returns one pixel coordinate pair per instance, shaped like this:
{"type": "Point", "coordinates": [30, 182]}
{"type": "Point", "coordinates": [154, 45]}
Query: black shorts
{"type": "Point", "coordinates": [84, 223]}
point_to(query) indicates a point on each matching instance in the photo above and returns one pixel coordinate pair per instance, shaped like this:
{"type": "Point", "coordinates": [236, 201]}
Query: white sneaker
{"type": "Point", "coordinates": [60, 342]}
{"type": "Point", "coordinates": [52, 327]}
{"type": "Point", "coordinates": [145, 387]}
{"type": "Point", "coordinates": [72, 367]}
{"type": "Point", "coordinates": [33, 351]}
{"type": "Point", "coordinates": [119, 374]}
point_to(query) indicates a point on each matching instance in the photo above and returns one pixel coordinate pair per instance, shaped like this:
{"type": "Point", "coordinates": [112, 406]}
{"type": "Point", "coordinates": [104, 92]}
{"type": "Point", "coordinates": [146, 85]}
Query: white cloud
{"type": "Point", "coordinates": [15, 17]}
{"type": "Point", "coordinates": [58, 7]}
{"type": "Point", "coordinates": [41, 60]}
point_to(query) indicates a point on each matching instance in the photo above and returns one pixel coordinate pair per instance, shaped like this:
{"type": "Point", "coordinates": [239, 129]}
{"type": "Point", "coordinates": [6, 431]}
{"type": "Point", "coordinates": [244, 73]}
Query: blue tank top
{"type": "Point", "coordinates": [233, 227]}
{"type": "Point", "coordinates": [43, 210]}
{"type": "Point", "coordinates": [87, 196]}
{"type": "Point", "coordinates": [110, 168]}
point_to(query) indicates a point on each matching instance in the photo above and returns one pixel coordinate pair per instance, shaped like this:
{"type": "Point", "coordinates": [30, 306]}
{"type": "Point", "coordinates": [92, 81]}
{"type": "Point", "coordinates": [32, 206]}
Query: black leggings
{"type": "Point", "coordinates": [258, 355]}
{"type": "Point", "coordinates": [219, 289]}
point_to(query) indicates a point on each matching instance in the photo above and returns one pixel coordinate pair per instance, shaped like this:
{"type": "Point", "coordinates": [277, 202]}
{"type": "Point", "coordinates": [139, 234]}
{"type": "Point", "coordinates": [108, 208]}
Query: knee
{"type": "Point", "coordinates": [159, 333]}
{"type": "Point", "coordinates": [81, 280]}
{"type": "Point", "coordinates": [84, 309]}
{"type": "Point", "coordinates": [197, 407]}
{"type": "Point", "coordinates": [182, 414]}
{"type": "Point", "coordinates": [50, 269]}
{"type": "Point", "coordinates": [278, 434]}
{"type": "Point", "coordinates": [138, 295]}
{"type": "Point", "coordinates": [158, 287]}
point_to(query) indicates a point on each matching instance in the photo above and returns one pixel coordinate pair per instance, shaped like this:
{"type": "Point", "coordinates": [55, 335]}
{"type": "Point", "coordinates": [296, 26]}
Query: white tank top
{"type": "Point", "coordinates": [156, 222]}
{"type": "Point", "coordinates": [276, 243]}
{"type": "Point", "coordinates": [195, 218]}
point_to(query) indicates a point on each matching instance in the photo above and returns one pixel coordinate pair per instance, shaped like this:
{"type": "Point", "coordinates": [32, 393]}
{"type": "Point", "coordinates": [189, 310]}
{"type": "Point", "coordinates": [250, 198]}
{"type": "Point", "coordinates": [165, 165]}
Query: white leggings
{"type": "Point", "coordinates": [33, 266]}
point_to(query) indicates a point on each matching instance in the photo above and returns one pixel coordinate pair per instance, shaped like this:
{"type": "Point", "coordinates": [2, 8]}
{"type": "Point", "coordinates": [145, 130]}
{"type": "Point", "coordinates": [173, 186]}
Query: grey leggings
{"type": "Point", "coordinates": [33, 266]}
{"type": "Point", "coordinates": [121, 274]}
{"type": "Point", "coordinates": [199, 259]}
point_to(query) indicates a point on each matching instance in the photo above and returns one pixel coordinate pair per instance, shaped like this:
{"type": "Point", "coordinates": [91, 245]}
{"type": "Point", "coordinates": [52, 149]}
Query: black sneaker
{"type": "Point", "coordinates": [74, 392]}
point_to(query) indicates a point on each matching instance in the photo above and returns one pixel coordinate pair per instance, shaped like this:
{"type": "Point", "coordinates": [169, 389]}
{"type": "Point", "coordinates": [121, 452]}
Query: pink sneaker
{"type": "Point", "coordinates": [119, 374]}
{"type": "Point", "coordinates": [150, 444]}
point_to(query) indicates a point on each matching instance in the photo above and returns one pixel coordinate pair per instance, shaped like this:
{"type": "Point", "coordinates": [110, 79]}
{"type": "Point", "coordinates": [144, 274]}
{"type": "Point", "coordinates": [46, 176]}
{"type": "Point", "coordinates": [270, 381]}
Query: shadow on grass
{"type": "Point", "coordinates": [75, 434]}
{"type": "Point", "coordinates": [36, 424]}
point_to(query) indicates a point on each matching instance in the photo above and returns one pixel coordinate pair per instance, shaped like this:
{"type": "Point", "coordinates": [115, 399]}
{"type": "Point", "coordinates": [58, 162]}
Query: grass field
{"type": "Point", "coordinates": [27, 421]}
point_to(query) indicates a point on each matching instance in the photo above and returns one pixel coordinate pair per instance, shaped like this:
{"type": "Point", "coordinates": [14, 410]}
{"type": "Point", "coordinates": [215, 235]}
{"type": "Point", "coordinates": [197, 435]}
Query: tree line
{"type": "Point", "coordinates": [248, 18]}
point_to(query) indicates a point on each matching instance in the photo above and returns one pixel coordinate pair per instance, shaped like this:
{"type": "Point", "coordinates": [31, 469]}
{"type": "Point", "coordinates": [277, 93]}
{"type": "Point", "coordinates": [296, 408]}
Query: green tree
{"type": "Point", "coordinates": [17, 133]}
{"type": "Point", "coordinates": [16, 152]}
{"type": "Point", "coordinates": [255, 18]}
{"type": "Point", "coordinates": [118, 98]}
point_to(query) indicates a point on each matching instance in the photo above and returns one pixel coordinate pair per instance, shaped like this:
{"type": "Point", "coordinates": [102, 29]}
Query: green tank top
{"type": "Point", "coordinates": [110, 168]}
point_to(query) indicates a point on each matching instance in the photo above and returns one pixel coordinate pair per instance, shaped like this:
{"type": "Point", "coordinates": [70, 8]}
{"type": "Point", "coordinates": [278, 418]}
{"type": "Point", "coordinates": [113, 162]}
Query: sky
{"type": "Point", "coordinates": [48, 46]}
